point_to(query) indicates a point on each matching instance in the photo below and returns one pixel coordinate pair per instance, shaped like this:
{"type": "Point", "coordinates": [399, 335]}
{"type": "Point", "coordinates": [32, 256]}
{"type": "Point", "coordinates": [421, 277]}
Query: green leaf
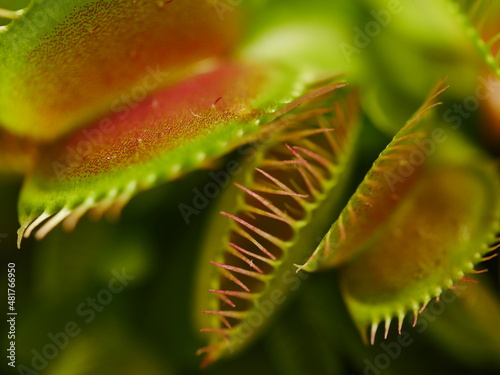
{"type": "Point", "coordinates": [272, 218]}
{"type": "Point", "coordinates": [65, 62]}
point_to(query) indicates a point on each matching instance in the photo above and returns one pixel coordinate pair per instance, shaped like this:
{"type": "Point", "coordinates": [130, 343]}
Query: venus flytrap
{"type": "Point", "coordinates": [51, 57]}
{"type": "Point", "coordinates": [196, 116]}
{"type": "Point", "coordinates": [100, 100]}
{"type": "Point", "coordinates": [442, 252]}
{"type": "Point", "coordinates": [393, 257]}
{"type": "Point", "coordinates": [270, 219]}
{"type": "Point", "coordinates": [375, 199]}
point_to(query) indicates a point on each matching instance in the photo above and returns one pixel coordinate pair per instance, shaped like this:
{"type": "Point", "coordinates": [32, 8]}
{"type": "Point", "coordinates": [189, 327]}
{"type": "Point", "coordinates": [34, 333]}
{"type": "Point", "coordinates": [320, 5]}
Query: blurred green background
{"type": "Point", "coordinates": [146, 328]}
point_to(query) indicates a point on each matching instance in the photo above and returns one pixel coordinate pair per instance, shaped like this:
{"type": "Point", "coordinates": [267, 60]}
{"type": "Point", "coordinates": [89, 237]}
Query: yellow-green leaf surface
{"type": "Point", "coordinates": [64, 62]}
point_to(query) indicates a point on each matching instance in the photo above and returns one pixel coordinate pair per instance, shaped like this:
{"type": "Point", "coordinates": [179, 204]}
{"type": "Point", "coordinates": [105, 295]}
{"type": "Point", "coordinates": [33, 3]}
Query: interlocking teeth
{"type": "Point", "coordinates": [110, 205]}
{"type": "Point", "coordinates": [34, 224]}
{"type": "Point", "coordinates": [289, 179]}
{"type": "Point", "coordinates": [52, 223]}
{"type": "Point", "coordinates": [416, 310]}
{"type": "Point", "coordinates": [72, 220]}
